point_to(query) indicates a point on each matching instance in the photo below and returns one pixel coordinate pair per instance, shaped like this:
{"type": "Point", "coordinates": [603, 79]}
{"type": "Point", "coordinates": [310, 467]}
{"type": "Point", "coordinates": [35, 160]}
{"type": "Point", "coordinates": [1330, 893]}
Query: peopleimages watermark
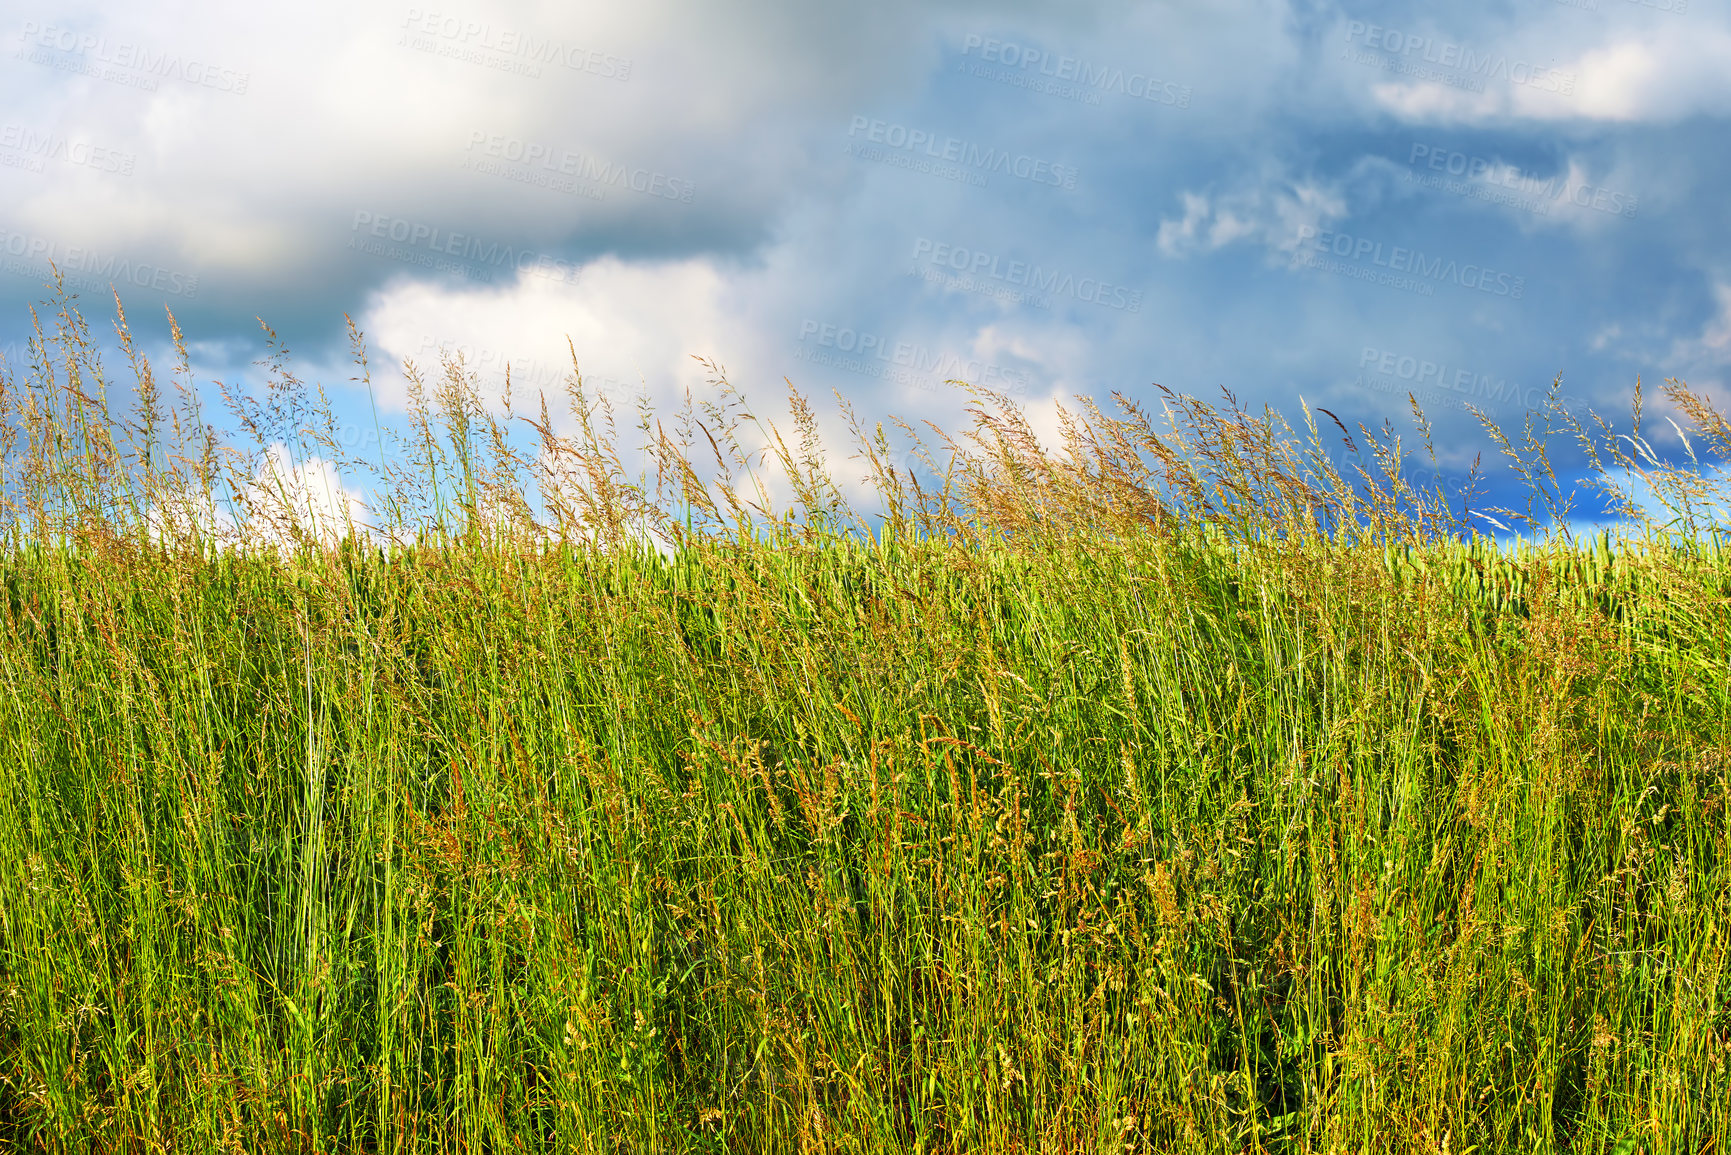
{"type": "Point", "coordinates": [28, 148]}
{"type": "Point", "coordinates": [968, 283]}
{"type": "Point", "coordinates": [949, 157]}
{"type": "Point", "coordinates": [1068, 77]}
{"type": "Point", "coordinates": [974, 270]}
{"type": "Point", "coordinates": [29, 255]}
{"type": "Point", "coordinates": [504, 49]}
{"type": "Point", "coordinates": [561, 170]}
{"type": "Point", "coordinates": [121, 62]}
{"type": "Point", "coordinates": [1398, 267]}
{"type": "Point", "coordinates": [428, 246]}
{"type": "Point", "coordinates": [1446, 61]}
{"type": "Point", "coordinates": [1505, 184]}
{"type": "Point", "coordinates": [1672, 7]}
{"type": "Point", "coordinates": [900, 362]}
{"type": "Point", "coordinates": [1437, 383]}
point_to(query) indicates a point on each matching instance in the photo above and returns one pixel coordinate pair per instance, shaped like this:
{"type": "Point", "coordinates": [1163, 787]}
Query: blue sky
{"type": "Point", "coordinates": [1334, 201]}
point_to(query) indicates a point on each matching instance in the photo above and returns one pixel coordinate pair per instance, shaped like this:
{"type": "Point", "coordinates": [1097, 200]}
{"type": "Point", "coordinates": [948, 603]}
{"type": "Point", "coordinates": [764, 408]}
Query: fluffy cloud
{"type": "Point", "coordinates": [257, 179]}
{"type": "Point", "coordinates": [288, 499]}
{"type": "Point", "coordinates": [336, 182]}
{"type": "Point", "coordinates": [1271, 214]}
{"type": "Point", "coordinates": [628, 323]}
{"type": "Point", "coordinates": [1642, 67]}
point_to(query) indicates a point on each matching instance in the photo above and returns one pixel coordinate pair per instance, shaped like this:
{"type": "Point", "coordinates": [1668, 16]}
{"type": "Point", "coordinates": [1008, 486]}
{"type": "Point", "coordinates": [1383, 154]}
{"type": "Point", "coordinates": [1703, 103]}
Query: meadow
{"type": "Point", "coordinates": [1172, 790]}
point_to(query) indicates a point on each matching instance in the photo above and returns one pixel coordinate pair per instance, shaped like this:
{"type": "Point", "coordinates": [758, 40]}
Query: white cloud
{"type": "Point", "coordinates": [1654, 70]}
{"type": "Point", "coordinates": [284, 501]}
{"type": "Point", "coordinates": [627, 322]}
{"type": "Point", "coordinates": [1679, 69]}
{"type": "Point", "coordinates": [639, 327]}
{"type": "Point", "coordinates": [308, 497]}
{"type": "Point", "coordinates": [350, 109]}
{"type": "Point", "coordinates": [1271, 213]}
{"type": "Point", "coordinates": [751, 102]}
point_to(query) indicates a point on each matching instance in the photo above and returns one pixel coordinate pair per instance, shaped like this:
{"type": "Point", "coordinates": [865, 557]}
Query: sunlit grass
{"type": "Point", "coordinates": [1172, 794]}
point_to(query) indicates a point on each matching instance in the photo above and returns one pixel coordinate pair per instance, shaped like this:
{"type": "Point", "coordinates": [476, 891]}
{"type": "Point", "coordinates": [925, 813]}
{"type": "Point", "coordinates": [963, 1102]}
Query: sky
{"type": "Point", "coordinates": [1286, 199]}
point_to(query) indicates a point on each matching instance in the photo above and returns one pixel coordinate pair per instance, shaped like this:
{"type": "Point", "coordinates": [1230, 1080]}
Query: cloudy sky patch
{"type": "Point", "coordinates": [1316, 200]}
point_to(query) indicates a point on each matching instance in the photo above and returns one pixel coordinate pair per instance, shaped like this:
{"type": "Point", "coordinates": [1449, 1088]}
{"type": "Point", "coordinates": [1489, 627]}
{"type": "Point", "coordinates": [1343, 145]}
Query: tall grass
{"type": "Point", "coordinates": [1172, 791]}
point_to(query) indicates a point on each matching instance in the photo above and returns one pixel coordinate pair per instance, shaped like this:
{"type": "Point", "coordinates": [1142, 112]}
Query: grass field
{"type": "Point", "coordinates": [1175, 795]}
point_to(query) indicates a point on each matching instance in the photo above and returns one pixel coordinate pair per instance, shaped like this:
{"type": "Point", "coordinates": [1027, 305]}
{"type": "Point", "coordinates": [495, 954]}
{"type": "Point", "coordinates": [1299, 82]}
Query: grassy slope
{"type": "Point", "coordinates": [1148, 845]}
